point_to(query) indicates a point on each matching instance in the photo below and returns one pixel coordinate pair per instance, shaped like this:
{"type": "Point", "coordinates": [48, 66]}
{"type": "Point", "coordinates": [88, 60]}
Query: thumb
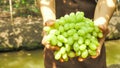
{"type": "Point", "coordinates": [49, 23]}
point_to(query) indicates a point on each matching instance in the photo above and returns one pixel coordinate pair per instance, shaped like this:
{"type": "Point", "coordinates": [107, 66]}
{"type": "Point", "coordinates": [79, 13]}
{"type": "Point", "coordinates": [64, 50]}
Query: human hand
{"type": "Point", "coordinates": [105, 31]}
{"type": "Point", "coordinates": [44, 42]}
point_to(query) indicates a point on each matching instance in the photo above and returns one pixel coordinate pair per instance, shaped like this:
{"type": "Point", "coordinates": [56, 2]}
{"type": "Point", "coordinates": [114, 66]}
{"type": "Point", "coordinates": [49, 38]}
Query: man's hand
{"type": "Point", "coordinates": [105, 31]}
{"type": "Point", "coordinates": [44, 42]}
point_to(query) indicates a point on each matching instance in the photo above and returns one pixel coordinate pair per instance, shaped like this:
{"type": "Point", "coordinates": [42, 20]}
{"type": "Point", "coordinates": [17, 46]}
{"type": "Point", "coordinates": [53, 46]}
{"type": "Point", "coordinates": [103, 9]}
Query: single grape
{"type": "Point", "coordinates": [67, 18]}
{"type": "Point", "coordinates": [92, 46]}
{"type": "Point", "coordinates": [71, 54]}
{"type": "Point", "coordinates": [62, 50]}
{"type": "Point", "coordinates": [71, 25]}
{"type": "Point", "coordinates": [57, 55]}
{"type": "Point", "coordinates": [54, 40]}
{"type": "Point", "coordinates": [62, 20]}
{"type": "Point", "coordinates": [87, 41]}
{"type": "Point", "coordinates": [92, 52]}
{"type": "Point", "coordinates": [70, 41]}
{"type": "Point", "coordinates": [67, 47]}
{"type": "Point", "coordinates": [76, 46]}
{"type": "Point", "coordinates": [88, 35]}
{"type": "Point", "coordinates": [100, 35]}
{"type": "Point", "coordinates": [96, 29]}
{"type": "Point", "coordinates": [59, 43]}
{"type": "Point", "coordinates": [61, 29]}
{"type": "Point", "coordinates": [82, 47]}
{"type": "Point", "coordinates": [75, 36]}
{"type": "Point", "coordinates": [62, 38]}
{"type": "Point", "coordinates": [54, 32]}
{"type": "Point", "coordinates": [79, 16]}
{"type": "Point", "coordinates": [78, 53]}
{"type": "Point", "coordinates": [94, 34]}
{"type": "Point", "coordinates": [78, 25]}
{"type": "Point", "coordinates": [56, 25]}
{"type": "Point", "coordinates": [65, 34]}
{"type": "Point", "coordinates": [66, 26]}
{"type": "Point", "coordinates": [70, 32]}
{"type": "Point", "coordinates": [47, 28]}
{"type": "Point", "coordinates": [72, 17]}
{"type": "Point", "coordinates": [81, 32]}
{"type": "Point", "coordinates": [65, 57]}
{"type": "Point", "coordinates": [80, 40]}
{"type": "Point", "coordinates": [84, 54]}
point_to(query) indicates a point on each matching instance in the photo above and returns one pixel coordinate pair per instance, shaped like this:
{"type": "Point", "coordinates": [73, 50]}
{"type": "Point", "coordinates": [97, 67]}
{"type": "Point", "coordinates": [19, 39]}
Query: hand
{"type": "Point", "coordinates": [44, 42]}
{"type": "Point", "coordinates": [105, 31]}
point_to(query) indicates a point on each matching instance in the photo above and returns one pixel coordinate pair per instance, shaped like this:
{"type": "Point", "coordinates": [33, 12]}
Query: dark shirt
{"type": "Point", "coordinates": [66, 6]}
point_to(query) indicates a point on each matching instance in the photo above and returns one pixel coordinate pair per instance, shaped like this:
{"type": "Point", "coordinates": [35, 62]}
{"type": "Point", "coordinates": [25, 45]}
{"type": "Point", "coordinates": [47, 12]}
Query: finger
{"type": "Point", "coordinates": [44, 42]}
{"type": "Point", "coordinates": [49, 23]}
{"type": "Point", "coordinates": [81, 59]}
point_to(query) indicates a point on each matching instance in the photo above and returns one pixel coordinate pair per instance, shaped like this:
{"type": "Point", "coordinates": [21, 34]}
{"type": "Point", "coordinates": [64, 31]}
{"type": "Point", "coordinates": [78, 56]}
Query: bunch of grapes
{"type": "Point", "coordinates": [75, 35]}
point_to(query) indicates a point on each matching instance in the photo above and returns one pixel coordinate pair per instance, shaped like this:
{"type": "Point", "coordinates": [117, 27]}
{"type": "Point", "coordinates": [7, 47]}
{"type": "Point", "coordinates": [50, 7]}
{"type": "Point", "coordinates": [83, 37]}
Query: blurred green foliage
{"type": "Point", "coordinates": [21, 7]}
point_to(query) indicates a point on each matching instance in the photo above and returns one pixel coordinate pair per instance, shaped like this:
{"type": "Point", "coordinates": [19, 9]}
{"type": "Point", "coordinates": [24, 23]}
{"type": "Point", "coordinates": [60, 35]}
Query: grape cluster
{"type": "Point", "coordinates": [75, 35]}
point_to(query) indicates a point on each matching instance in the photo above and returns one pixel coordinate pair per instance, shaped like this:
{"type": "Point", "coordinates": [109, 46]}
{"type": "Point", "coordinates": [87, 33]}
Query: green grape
{"type": "Point", "coordinates": [62, 38]}
{"type": "Point", "coordinates": [100, 35]}
{"type": "Point", "coordinates": [78, 53]}
{"type": "Point", "coordinates": [96, 42]}
{"type": "Point", "coordinates": [67, 18]}
{"type": "Point", "coordinates": [47, 28]}
{"type": "Point", "coordinates": [62, 50]}
{"type": "Point", "coordinates": [62, 20]}
{"type": "Point", "coordinates": [71, 54]}
{"type": "Point", "coordinates": [80, 13]}
{"type": "Point", "coordinates": [65, 34]}
{"type": "Point", "coordinates": [78, 25]}
{"type": "Point", "coordinates": [70, 41]}
{"type": "Point", "coordinates": [84, 54]}
{"type": "Point", "coordinates": [82, 47]}
{"type": "Point", "coordinates": [93, 38]}
{"type": "Point", "coordinates": [57, 32]}
{"type": "Point", "coordinates": [54, 32]}
{"type": "Point", "coordinates": [87, 41]}
{"type": "Point", "coordinates": [48, 38]}
{"type": "Point", "coordinates": [67, 47]}
{"type": "Point", "coordinates": [96, 29]}
{"type": "Point", "coordinates": [92, 52]}
{"type": "Point", "coordinates": [94, 34]}
{"type": "Point", "coordinates": [91, 24]}
{"type": "Point", "coordinates": [72, 17]}
{"type": "Point", "coordinates": [71, 25]}
{"type": "Point", "coordinates": [57, 55]}
{"type": "Point", "coordinates": [79, 16]}
{"type": "Point", "coordinates": [54, 40]}
{"type": "Point", "coordinates": [70, 32]}
{"type": "Point", "coordinates": [90, 29]}
{"type": "Point", "coordinates": [76, 46]}
{"type": "Point", "coordinates": [92, 46]}
{"type": "Point", "coordinates": [66, 26]}
{"type": "Point", "coordinates": [56, 25]}
{"type": "Point", "coordinates": [81, 32]}
{"type": "Point", "coordinates": [88, 35]}
{"type": "Point", "coordinates": [59, 43]}
{"type": "Point", "coordinates": [75, 36]}
{"type": "Point", "coordinates": [85, 30]}
{"type": "Point", "coordinates": [65, 57]}
{"type": "Point", "coordinates": [61, 29]}
{"type": "Point", "coordinates": [80, 40]}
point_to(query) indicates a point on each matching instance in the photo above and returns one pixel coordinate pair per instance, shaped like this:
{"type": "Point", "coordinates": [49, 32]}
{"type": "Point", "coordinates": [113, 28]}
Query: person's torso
{"type": "Point", "coordinates": [67, 6]}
